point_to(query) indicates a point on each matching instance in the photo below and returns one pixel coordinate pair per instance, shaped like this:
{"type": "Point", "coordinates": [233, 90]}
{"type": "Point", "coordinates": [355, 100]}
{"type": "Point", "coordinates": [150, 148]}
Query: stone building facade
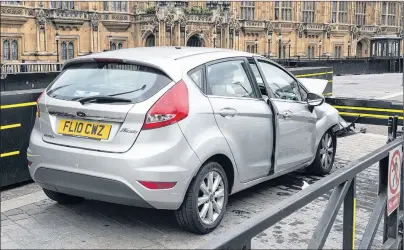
{"type": "Point", "coordinates": [60, 30]}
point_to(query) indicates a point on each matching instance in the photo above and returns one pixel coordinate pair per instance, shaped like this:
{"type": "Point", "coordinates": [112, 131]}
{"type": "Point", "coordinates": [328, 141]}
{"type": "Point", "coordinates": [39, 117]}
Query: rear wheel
{"type": "Point", "coordinates": [205, 201]}
{"type": "Point", "coordinates": [325, 155]}
{"type": "Point", "coordinates": [62, 198]}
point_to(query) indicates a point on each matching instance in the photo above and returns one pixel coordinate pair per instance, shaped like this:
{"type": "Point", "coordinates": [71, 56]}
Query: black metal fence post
{"type": "Point", "coordinates": [349, 217]}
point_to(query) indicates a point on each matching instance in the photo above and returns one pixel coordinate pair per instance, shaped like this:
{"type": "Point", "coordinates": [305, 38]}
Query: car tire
{"type": "Point", "coordinates": [188, 215]}
{"type": "Point", "coordinates": [62, 198]}
{"type": "Point", "coordinates": [325, 155]}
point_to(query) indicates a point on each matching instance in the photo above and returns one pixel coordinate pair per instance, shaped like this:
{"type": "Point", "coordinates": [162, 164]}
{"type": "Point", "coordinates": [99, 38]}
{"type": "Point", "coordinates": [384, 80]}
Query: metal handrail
{"type": "Point", "coordinates": [343, 183]}
{"type": "Point", "coordinates": [26, 68]}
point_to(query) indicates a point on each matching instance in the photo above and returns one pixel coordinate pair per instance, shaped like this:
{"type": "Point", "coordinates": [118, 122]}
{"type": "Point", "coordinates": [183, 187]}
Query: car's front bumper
{"type": "Point", "coordinates": [113, 177]}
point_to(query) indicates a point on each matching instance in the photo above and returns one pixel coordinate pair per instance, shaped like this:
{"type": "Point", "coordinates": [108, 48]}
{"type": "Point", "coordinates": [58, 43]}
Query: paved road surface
{"type": "Point", "coordinates": [44, 224]}
{"type": "Point", "coordinates": [380, 86]}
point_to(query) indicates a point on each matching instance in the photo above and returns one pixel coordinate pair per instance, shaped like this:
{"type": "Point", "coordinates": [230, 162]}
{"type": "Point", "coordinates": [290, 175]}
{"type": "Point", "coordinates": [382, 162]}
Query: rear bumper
{"type": "Point", "coordinates": [162, 155]}
{"type": "Point", "coordinates": [87, 186]}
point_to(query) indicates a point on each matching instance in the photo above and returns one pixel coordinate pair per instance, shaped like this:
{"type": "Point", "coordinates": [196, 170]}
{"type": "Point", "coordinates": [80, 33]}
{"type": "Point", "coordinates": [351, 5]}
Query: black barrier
{"type": "Point", "coordinates": [17, 118]}
{"type": "Point", "coordinates": [343, 183]}
{"type": "Point", "coordinates": [374, 112]}
{"type": "Point", "coordinates": [354, 66]}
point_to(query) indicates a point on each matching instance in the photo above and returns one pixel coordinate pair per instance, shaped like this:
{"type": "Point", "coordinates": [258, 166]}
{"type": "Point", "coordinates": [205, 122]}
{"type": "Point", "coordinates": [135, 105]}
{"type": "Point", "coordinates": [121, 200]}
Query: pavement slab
{"type": "Point", "coordinates": [42, 223]}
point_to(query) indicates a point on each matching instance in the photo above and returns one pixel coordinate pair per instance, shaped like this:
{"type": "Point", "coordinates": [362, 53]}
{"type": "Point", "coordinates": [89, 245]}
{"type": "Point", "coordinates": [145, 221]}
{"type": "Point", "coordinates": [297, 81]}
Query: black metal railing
{"type": "Point", "coordinates": [343, 183]}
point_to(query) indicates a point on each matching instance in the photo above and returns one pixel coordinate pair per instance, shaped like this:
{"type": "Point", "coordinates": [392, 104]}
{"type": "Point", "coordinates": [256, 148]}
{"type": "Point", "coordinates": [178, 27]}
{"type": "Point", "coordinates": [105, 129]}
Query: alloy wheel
{"type": "Point", "coordinates": [211, 197]}
{"type": "Point", "coordinates": [327, 151]}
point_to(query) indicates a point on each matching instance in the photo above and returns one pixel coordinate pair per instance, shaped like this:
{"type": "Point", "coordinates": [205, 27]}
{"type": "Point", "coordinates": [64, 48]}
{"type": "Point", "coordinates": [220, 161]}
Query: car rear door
{"type": "Point", "coordinates": [111, 126]}
{"type": "Point", "coordinates": [242, 116]}
{"type": "Point", "coordinates": [296, 123]}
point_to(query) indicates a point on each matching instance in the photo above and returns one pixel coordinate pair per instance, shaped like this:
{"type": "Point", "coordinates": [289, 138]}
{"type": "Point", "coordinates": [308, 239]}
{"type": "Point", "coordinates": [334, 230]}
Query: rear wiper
{"type": "Point", "coordinates": [102, 99]}
{"type": "Point", "coordinates": [124, 93]}
{"type": "Point", "coordinates": [57, 88]}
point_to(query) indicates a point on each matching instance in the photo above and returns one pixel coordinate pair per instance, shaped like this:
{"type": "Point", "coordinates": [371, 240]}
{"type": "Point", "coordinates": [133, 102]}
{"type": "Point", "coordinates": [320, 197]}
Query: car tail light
{"type": "Point", "coordinates": [157, 185]}
{"type": "Point", "coordinates": [38, 113]}
{"type": "Point", "coordinates": [172, 107]}
{"type": "Point", "coordinates": [29, 163]}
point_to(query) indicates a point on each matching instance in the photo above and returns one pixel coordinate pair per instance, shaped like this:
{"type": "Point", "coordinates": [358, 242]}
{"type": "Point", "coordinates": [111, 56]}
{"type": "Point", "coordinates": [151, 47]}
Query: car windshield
{"type": "Point", "coordinates": [128, 81]}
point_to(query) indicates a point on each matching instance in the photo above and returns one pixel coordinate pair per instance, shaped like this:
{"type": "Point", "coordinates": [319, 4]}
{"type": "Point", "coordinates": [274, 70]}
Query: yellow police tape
{"type": "Point", "coordinates": [17, 125]}
{"type": "Point", "coordinates": [10, 154]}
{"type": "Point", "coordinates": [369, 109]}
{"type": "Point", "coordinates": [315, 74]}
{"type": "Point", "coordinates": [367, 115]}
{"type": "Point", "coordinates": [18, 105]}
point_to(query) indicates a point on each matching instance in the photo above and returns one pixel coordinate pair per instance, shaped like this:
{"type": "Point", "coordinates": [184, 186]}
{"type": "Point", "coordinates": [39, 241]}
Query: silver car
{"type": "Point", "coordinates": [175, 128]}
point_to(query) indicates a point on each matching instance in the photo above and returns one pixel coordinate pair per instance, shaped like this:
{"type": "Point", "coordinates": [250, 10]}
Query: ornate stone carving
{"type": "Point", "coordinates": [41, 17]}
{"type": "Point", "coordinates": [354, 31]}
{"type": "Point", "coordinates": [378, 31]}
{"type": "Point", "coordinates": [94, 18]}
{"type": "Point", "coordinates": [269, 27]}
{"type": "Point", "coordinates": [11, 11]}
{"type": "Point", "coordinates": [300, 30]}
{"type": "Point", "coordinates": [182, 20]}
{"type": "Point", "coordinates": [328, 30]}
{"type": "Point", "coordinates": [401, 32]}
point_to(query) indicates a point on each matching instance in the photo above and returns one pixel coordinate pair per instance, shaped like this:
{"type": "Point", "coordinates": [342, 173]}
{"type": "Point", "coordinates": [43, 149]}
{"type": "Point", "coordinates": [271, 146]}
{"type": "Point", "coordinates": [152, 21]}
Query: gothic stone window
{"type": "Point", "coordinates": [247, 10]}
{"type": "Point", "coordinates": [65, 5]}
{"type": "Point", "coordinates": [10, 49]}
{"type": "Point", "coordinates": [67, 50]}
{"type": "Point", "coordinates": [283, 10]}
{"type": "Point", "coordinates": [308, 10]}
{"type": "Point", "coordinates": [339, 11]}
{"type": "Point", "coordinates": [310, 51]}
{"type": "Point", "coordinates": [118, 6]}
{"type": "Point", "coordinates": [337, 51]}
{"type": "Point", "coordinates": [11, 2]}
{"type": "Point", "coordinates": [360, 13]}
{"type": "Point", "coordinates": [389, 13]}
{"type": "Point", "coordinates": [116, 45]}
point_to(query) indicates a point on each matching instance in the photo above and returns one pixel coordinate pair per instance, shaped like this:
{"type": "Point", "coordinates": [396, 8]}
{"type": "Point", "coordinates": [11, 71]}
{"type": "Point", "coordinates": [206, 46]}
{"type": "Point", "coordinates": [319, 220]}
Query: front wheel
{"type": "Point", "coordinates": [325, 155]}
{"type": "Point", "coordinates": [205, 201]}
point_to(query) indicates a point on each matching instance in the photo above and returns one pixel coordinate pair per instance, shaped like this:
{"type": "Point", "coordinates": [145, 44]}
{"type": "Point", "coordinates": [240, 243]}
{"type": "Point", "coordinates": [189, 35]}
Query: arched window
{"type": "Point", "coordinates": [6, 50]}
{"type": "Point", "coordinates": [312, 51]}
{"type": "Point", "coordinates": [150, 41]}
{"type": "Point", "coordinates": [63, 49]}
{"type": "Point", "coordinates": [120, 45]}
{"type": "Point", "coordinates": [14, 50]}
{"type": "Point", "coordinates": [248, 49]}
{"type": "Point", "coordinates": [309, 52]}
{"type": "Point", "coordinates": [71, 50]}
{"type": "Point", "coordinates": [113, 46]}
{"type": "Point", "coordinates": [284, 51]}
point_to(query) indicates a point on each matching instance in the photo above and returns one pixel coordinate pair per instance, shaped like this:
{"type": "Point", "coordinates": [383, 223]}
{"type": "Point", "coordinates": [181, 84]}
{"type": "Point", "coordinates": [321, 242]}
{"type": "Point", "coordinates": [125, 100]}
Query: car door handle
{"type": "Point", "coordinates": [286, 115]}
{"type": "Point", "coordinates": [228, 112]}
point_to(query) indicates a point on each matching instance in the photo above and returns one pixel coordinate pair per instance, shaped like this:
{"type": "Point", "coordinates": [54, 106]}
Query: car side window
{"type": "Point", "coordinates": [197, 77]}
{"type": "Point", "coordinates": [229, 79]}
{"type": "Point", "coordinates": [283, 86]}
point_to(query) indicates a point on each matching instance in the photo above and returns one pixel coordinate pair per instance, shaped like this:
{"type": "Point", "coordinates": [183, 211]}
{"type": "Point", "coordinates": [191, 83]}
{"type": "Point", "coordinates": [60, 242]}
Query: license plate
{"type": "Point", "coordinates": [85, 129]}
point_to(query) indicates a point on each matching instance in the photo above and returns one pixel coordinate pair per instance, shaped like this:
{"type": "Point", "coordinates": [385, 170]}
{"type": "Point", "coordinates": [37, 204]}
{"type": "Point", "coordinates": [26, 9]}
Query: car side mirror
{"type": "Point", "coordinates": [314, 100]}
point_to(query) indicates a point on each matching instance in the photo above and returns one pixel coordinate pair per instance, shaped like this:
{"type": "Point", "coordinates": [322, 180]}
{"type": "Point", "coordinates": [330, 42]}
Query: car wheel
{"type": "Point", "coordinates": [325, 155]}
{"type": "Point", "coordinates": [205, 201]}
{"type": "Point", "coordinates": [62, 198]}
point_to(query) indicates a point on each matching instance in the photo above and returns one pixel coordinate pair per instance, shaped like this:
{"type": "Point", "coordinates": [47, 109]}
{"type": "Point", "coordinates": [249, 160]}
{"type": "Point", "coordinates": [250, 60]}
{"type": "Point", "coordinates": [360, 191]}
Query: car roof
{"type": "Point", "coordinates": [172, 60]}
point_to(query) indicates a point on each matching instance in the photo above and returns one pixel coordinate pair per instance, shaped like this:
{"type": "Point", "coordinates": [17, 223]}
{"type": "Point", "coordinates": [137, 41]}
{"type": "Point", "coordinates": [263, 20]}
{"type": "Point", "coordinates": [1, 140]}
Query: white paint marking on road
{"type": "Point", "coordinates": [390, 96]}
{"type": "Point", "coordinates": [22, 201]}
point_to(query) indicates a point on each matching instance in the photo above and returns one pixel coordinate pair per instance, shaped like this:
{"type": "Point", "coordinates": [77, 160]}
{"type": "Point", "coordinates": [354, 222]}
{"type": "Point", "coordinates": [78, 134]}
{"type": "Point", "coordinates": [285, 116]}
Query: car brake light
{"type": "Point", "coordinates": [37, 106]}
{"type": "Point", "coordinates": [172, 107]}
{"type": "Point", "coordinates": [157, 185]}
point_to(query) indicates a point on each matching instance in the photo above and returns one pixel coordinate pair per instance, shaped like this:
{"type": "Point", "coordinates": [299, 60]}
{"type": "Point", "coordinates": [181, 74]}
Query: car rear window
{"type": "Point", "coordinates": [128, 81]}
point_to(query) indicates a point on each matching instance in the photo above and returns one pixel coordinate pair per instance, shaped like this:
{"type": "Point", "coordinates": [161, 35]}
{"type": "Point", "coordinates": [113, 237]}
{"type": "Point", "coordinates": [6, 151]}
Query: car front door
{"type": "Point", "coordinates": [296, 123]}
{"type": "Point", "coordinates": [242, 116]}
